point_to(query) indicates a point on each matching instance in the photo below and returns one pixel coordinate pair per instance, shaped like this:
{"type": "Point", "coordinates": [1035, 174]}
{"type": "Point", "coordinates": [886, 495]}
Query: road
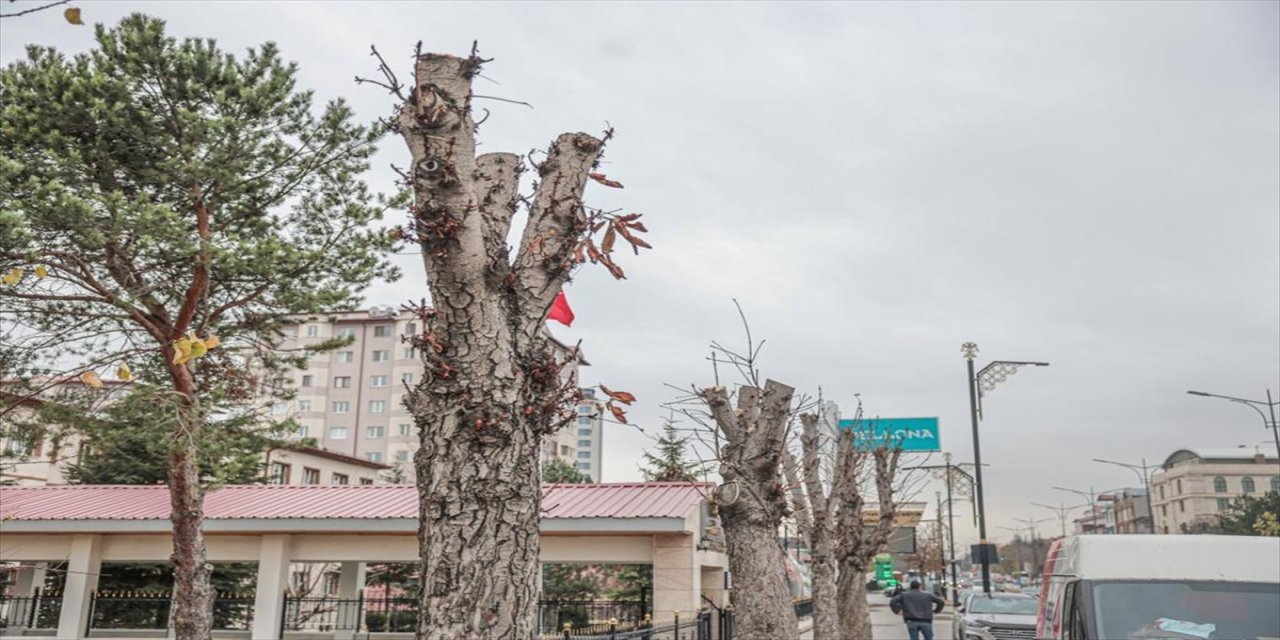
{"type": "Point", "coordinates": [887, 626]}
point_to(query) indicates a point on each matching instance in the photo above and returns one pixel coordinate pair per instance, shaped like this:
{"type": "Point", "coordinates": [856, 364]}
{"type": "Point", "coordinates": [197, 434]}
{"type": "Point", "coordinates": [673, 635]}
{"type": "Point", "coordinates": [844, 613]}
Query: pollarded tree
{"type": "Point", "coordinates": [492, 386]}
{"type": "Point", "coordinates": [858, 545]}
{"type": "Point", "coordinates": [156, 195]}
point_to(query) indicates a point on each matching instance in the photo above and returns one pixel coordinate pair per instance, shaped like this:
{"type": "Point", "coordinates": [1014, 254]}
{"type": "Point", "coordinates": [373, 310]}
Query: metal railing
{"type": "Point", "coordinates": [154, 610]}
{"type": "Point", "coordinates": [804, 607]}
{"type": "Point", "coordinates": [37, 611]}
{"type": "Point", "coordinates": [553, 615]}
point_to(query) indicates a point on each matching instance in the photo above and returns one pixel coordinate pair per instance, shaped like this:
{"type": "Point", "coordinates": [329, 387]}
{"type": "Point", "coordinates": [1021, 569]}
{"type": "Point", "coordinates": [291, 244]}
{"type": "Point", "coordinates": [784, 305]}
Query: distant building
{"type": "Point", "coordinates": [586, 433]}
{"type": "Point", "coordinates": [1129, 513]}
{"type": "Point", "coordinates": [351, 399]}
{"type": "Point", "coordinates": [1193, 486]}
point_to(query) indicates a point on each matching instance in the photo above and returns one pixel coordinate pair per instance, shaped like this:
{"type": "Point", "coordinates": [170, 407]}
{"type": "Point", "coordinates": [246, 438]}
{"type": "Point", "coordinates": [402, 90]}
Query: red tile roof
{"type": "Point", "coordinates": [116, 502]}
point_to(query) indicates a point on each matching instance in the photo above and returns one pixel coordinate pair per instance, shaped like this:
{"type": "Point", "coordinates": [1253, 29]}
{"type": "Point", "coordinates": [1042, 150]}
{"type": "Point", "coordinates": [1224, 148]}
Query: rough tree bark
{"type": "Point", "coordinates": [752, 503]}
{"type": "Point", "coordinates": [815, 511]}
{"type": "Point", "coordinates": [857, 548]}
{"type": "Point", "coordinates": [492, 387]}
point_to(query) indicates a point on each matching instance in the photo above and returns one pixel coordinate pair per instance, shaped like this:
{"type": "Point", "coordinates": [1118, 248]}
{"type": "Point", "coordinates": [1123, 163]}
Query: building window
{"type": "Point", "coordinates": [307, 380]}
{"type": "Point", "coordinates": [304, 405]}
{"type": "Point", "coordinates": [303, 431]}
{"type": "Point", "coordinates": [279, 409]}
{"type": "Point", "coordinates": [345, 357]}
{"type": "Point", "coordinates": [584, 444]}
{"type": "Point", "coordinates": [589, 393]}
{"type": "Point", "coordinates": [405, 429]}
{"type": "Point", "coordinates": [408, 353]}
{"type": "Point", "coordinates": [373, 456]}
{"type": "Point", "coordinates": [565, 450]}
{"type": "Point", "coordinates": [331, 583]}
{"type": "Point", "coordinates": [279, 473]}
{"type": "Point", "coordinates": [1220, 484]}
{"type": "Point", "coordinates": [1179, 486]}
{"type": "Point", "coordinates": [312, 331]}
{"type": "Point", "coordinates": [1162, 492]}
{"type": "Point", "coordinates": [585, 409]}
{"type": "Point", "coordinates": [585, 420]}
{"type": "Point", "coordinates": [406, 378]}
{"type": "Point", "coordinates": [377, 381]}
{"type": "Point", "coordinates": [584, 454]}
{"type": "Point", "coordinates": [342, 382]}
{"type": "Point", "coordinates": [339, 478]}
{"type": "Point", "coordinates": [584, 466]}
{"type": "Point", "coordinates": [1164, 511]}
{"type": "Point", "coordinates": [300, 581]}
{"type": "Point", "coordinates": [366, 481]}
{"type": "Point", "coordinates": [1182, 506]}
{"type": "Point", "coordinates": [381, 355]}
{"type": "Point", "coordinates": [377, 406]}
{"type": "Point", "coordinates": [341, 406]}
{"type": "Point", "coordinates": [1223, 504]}
{"type": "Point", "coordinates": [1275, 484]}
{"type": "Point", "coordinates": [382, 331]}
{"type": "Point", "coordinates": [337, 433]}
{"type": "Point", "coordinates": [346, 332]}
{"type": "Point", "coordinates": [310, 476]}
{"type": "Point", "coordinates": [584, 432]}
{"type": "Point", "coordinates": [402, 455]}
{"type": "Point", "coordinates": [1246, 485]}
{"type": "Point", "coordinates": [373, 433]}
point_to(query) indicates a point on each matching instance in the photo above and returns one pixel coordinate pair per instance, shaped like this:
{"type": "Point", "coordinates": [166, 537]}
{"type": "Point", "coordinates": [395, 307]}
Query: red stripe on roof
{"type": "Point", "coordinates": [117, 502]}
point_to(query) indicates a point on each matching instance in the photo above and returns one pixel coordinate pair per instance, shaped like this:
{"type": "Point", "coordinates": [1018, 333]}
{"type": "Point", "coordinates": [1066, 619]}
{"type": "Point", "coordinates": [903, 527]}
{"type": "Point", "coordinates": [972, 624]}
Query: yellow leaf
{"type": "Point", "coordinates": [91, 379]}
{"type": "Point", "coordinates": [198, 348]}
{"type": "Point", "coordinates": [123, 372]}
{"type": "Point", "coordinates": [41, 272]}
{"type": "Point", "coordinates": [73, 16]}
{"type": "Point", "coordinates": [181, 351]}
{"type": "Point", "coordinates": [14, 276]}
{"type": "Point", "coordinates": [211, 342]}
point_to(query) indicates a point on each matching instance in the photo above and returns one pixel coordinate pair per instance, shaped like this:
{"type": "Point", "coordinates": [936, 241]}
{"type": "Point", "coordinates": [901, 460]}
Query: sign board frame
{"type": "Point", "coordinates": [911, 434]}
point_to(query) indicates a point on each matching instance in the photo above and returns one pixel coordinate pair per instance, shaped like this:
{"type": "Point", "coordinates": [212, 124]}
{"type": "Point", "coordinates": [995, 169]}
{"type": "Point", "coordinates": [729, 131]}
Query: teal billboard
{"type": "Point", "coordinates": [912, 434]}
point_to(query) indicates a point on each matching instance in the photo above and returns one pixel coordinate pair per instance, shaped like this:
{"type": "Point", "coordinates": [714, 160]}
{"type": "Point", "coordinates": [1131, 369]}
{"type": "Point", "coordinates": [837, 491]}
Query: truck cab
{"type": "Point", "coordinates": [1166, 587]}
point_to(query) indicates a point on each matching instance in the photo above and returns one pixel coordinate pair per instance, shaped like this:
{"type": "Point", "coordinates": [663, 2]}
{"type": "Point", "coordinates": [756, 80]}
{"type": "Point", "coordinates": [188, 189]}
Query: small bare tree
{"type": "Point", "coordinates": [858, 546]}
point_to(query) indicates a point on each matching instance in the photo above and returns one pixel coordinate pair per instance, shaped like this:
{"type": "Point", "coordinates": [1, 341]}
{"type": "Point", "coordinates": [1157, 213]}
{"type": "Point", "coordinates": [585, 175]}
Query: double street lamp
{"type": "Point", "coordinates": [1145, 475]}
{"type": "Point", "coordinates": [1254, 404]}
{"type": "Point", "coordinates": [1062, 512]}
{"type": "Point", "coordinates": [981, 383]}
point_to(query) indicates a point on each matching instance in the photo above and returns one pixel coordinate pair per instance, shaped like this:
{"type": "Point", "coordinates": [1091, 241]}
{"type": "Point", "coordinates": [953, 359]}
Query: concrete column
{"type": "Point", "coordinates": [273, 580]}
{"type": "Point", "coordinates": [350, 588]}
{"type": "Point", "coordinates": [83, 566]}
{"type": "Point", "coordinates": [677, 578]}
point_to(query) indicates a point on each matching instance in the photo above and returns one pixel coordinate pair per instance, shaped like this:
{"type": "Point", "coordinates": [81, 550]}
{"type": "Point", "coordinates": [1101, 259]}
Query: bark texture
{"type": "Point", "coordinates": [492, 385]}
{"type": "Point", "coordinates": [857, 547]}
{"type": "Point", "coordinates": [191, 587]}
{"type": "Point", "coordinates": [815, 504]}
{"type": "Point", "coordinates": [752, 502]}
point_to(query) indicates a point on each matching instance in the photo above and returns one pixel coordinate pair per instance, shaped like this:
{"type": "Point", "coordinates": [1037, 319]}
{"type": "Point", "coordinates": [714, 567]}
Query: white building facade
{"type": "Point", "coordinates": [1193, 487]}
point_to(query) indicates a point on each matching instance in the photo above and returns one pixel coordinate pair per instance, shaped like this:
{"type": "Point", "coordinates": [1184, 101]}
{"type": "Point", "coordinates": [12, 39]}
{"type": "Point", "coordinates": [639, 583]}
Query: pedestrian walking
{"type": "Point", "coordinates": [917, 608]}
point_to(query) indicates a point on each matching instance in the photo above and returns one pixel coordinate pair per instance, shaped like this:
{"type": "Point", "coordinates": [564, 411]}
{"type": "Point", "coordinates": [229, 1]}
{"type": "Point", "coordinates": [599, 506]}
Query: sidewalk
{"type": "Point", "coordinates": [887, 626]}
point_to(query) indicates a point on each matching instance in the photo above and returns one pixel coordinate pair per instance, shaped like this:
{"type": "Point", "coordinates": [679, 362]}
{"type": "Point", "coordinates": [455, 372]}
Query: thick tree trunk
{"type": "Point", "coordinates": [192, 593]}
{"type": "Point", "coordinates": [826, 612]}
{"type": "Point", "coordinates": [480, 506]}
{"type": "Point", "coordinates": [855, 619]}
{"type": "Point", "coordinates": [491, 386]}
{"type": "Point", "coordinates": [752, 503]}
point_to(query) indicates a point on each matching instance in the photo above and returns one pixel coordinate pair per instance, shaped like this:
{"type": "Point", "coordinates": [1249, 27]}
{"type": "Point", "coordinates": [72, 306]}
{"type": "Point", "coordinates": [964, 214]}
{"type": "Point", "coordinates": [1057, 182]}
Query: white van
{"type": "Point", "coordinates": [1166, 587]}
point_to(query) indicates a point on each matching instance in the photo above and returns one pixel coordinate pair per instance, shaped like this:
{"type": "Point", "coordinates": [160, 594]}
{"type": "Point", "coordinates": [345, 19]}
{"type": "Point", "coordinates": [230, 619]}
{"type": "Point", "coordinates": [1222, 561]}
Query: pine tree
{"type": "Point", "coordinates": [165, 207]}
{"type": "Point", "coordinates": [671, 464]}
{"type": "Point", "coordinates": [559, 470]}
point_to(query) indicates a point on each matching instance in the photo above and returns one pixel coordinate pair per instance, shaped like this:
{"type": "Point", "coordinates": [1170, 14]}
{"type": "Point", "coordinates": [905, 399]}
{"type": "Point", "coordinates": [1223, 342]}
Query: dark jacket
{"type": "Point", "coordinates": [916, 605]}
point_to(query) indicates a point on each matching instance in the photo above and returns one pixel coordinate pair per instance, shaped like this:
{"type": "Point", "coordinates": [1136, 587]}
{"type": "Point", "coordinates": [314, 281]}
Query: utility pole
{"type": "Point", "coordinates": [985, 380]}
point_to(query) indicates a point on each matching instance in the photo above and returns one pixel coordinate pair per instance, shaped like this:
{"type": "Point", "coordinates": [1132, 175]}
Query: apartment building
{"type": "Point", "coordinates": [1193, 486]}
{"type": "Point", "coordinates": [351, 400]}
{"type": "Point", "coordinates": [586, 433]}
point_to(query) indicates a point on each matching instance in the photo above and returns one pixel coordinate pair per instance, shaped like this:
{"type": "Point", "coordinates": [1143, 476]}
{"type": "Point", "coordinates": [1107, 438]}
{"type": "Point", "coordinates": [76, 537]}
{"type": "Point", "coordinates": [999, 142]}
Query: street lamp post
{"type": "Point", "coordinates": [949, 469]}
{"type": "Point", "coordinates": [1145, 476]}
{"type": "Point", "coordinates": [985, 380]}
{"type": "Point", "coordinates": [1062, 512]}
{"type": "Point", "coordinates": [1254, 404]}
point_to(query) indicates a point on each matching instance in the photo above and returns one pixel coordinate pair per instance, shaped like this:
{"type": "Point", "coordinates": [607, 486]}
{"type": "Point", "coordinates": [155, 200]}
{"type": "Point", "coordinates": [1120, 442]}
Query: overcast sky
{"type": "Point", "coordinates": [1095, 185]}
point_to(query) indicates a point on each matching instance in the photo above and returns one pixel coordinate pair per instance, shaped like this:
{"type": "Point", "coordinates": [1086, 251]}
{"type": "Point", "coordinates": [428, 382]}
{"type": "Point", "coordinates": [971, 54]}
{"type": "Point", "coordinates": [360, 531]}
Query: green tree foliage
{"type": "Point", "coordinates": [559, 470]}
{"type": "Point", "coordinates": [155, 194]}
{"type": "Point", "coordinates": [671, 463]}
{"type": "Point", "coordinates": [1251, 516]}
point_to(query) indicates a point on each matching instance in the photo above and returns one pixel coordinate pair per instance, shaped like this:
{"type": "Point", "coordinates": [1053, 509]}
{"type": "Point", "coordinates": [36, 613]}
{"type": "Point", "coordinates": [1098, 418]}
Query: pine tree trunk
{"type": "Point", "coordinates": [192, 593]}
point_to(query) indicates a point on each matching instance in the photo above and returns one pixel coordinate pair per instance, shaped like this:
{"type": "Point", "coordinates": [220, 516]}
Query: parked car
{"type": "Point", "coordinates": [1161, 586]}
{"type": "Point", "coordinates": [996, 616]}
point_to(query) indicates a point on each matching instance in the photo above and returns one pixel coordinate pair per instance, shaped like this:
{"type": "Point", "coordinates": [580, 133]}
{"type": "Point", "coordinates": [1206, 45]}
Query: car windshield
{"type": "Point", "coordinates": [1185, 609]}
{"type": "Point", "coordinates": [996, 604]}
